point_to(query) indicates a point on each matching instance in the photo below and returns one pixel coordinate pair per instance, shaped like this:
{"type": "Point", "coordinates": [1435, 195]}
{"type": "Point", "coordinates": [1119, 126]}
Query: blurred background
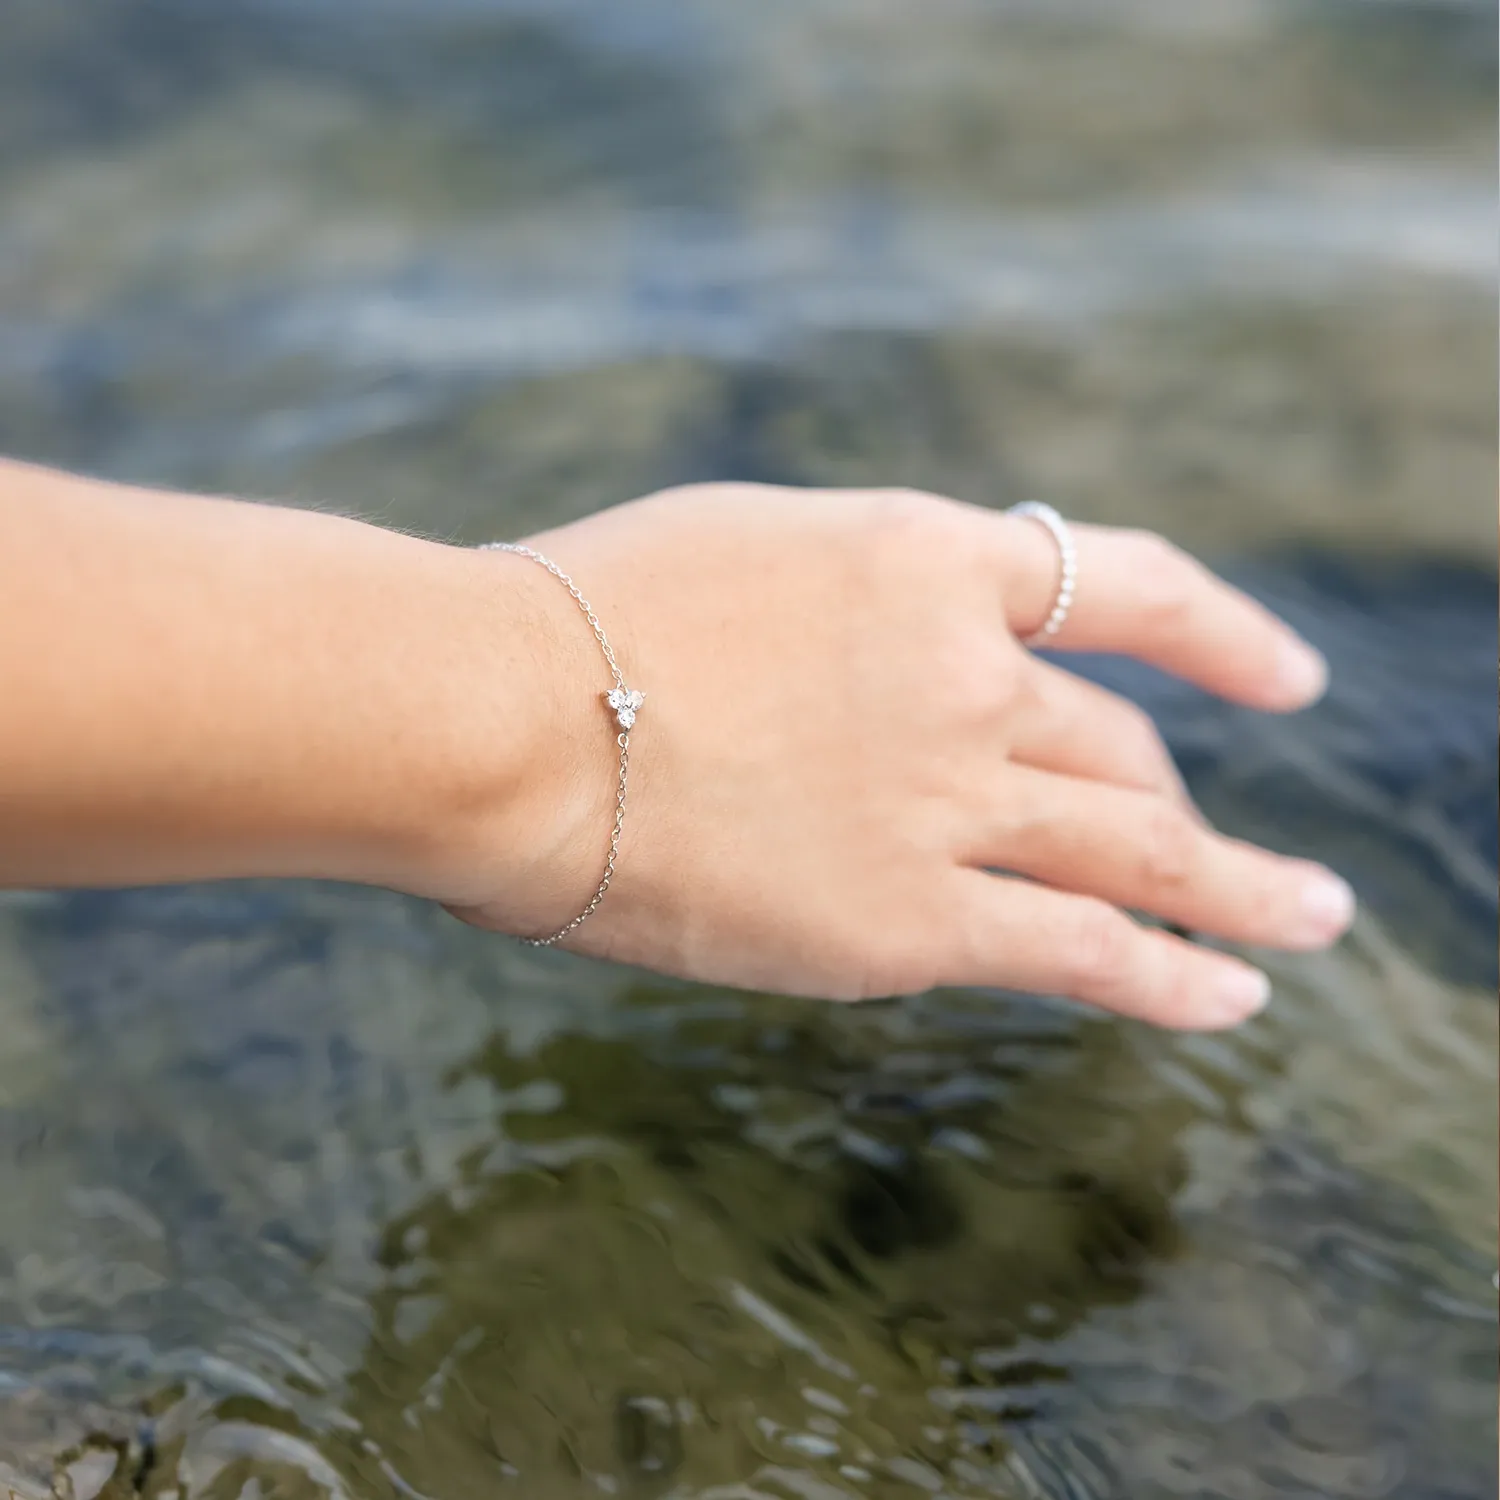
{"type": "Point", "coordinates": [307, 1192]}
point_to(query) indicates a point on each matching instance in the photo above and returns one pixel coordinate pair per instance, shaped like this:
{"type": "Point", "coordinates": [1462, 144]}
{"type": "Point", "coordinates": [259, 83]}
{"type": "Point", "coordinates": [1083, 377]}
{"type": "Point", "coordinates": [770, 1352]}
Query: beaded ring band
{"type": "Point", "coordinates": [1061, 533]}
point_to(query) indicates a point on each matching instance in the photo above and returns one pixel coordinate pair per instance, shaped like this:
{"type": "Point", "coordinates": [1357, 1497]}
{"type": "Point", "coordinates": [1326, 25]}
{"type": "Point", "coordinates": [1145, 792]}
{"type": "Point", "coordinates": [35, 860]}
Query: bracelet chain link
{"type": "Point", "coordinates": [623, 701]}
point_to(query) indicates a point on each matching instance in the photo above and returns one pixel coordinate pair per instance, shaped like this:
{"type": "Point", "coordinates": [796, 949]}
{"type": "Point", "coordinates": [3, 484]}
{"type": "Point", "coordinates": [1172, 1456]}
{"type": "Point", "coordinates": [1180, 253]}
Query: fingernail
{"type": "Point", "coordinates": [1302, 672]}
{"type": "Point", "coordinates": [1327, 905]}
{"type": "Point", "coordinates": [1240, 992]}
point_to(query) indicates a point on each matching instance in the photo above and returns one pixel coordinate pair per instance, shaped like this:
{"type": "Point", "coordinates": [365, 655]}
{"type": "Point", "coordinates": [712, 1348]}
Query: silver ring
{"type": "Point", "coordinates": [1068, 552]}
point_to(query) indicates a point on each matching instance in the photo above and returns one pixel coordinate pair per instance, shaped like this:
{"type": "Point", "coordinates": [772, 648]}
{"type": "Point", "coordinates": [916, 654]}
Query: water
{"type": "Point", "coordinates": [308, 1191]}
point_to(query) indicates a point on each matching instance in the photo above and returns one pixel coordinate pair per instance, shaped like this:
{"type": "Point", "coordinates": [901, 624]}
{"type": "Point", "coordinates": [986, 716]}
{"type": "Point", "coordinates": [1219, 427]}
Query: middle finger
{"type": "Point", "coordinates": [1076, 728]}
{"type": "Point", "coordinates": [1142, 852]}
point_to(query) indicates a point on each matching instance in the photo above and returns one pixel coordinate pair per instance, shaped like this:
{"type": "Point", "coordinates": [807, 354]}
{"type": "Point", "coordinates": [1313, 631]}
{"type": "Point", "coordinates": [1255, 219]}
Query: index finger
{"type": "Point", "coordinates": [1138, 595]}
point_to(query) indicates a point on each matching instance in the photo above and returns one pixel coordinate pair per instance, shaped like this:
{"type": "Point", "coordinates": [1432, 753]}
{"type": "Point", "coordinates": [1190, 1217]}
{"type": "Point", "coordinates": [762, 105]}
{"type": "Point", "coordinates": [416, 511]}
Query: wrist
{"type": "Point", "coordinates": [515, 787]}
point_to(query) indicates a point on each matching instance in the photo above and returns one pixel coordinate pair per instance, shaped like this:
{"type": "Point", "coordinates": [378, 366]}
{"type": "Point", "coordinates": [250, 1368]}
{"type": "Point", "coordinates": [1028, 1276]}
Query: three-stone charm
{"type": "Point", "coordinates": [625, 701]}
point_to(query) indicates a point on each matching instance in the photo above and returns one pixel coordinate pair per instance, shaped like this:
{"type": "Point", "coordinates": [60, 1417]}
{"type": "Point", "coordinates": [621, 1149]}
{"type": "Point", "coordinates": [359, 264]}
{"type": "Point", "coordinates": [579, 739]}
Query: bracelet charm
{"type": "Point", "coordinates": [625, 703]}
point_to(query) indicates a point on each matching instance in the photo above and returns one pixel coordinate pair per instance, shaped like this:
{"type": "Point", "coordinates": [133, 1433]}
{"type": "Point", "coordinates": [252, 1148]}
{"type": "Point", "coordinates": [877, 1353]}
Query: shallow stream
{"type": "Point", "coordinates": [310, 1192]}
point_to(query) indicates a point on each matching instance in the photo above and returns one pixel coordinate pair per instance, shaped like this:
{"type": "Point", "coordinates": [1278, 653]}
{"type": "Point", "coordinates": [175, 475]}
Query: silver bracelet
{"type": "Point", "coordinates": [624, 702]}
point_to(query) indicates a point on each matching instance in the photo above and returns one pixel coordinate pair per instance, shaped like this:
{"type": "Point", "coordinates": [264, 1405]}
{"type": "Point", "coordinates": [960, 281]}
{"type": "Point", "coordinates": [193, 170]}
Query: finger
{"type": "Point", "coordinates": [1077, 728]}
{"type": "Point", "coordinates": [1137, 850]}
{"type": "Point", "coordinates": [1027, 937]}
{"type": "Point", "coordinates": [1138, 595]}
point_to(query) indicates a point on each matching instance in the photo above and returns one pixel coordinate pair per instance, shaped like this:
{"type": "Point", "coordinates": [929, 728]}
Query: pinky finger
{"type": "Point", "coordinates": [1018, 935]}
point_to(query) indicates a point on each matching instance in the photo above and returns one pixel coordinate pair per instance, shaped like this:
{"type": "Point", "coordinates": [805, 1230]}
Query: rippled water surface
{"type": "Point", "coordinates": [309, 1192]}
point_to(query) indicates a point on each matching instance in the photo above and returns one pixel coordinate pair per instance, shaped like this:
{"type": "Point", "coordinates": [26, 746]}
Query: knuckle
{"type": "Point", "coordinates": [1153, 555]}
{"type": "Point", "coordinates": [1139, 743]}
{"type": "Point", "coordinates": [900, 512]}
{"type": "Point", "coordinates": [701, 492]}
{"type": "Point", "coordinates": [923, 529]}
{"type": "Point", "coordinates": [885, 969]}
{"type": "Point", "coordinates": [1022, 694]}
{"type": "Point", "coordinates": [1168, 849]}
{"type": "Point", "coordinates": [891, 544]}
{"type": "Point", "coordinates": [1100, 949]}
{"type": "Point", "coordinates": [884, 952]}
{"type": "Point", "coordinates": [969, 682]}
{"type": "Point", "coordinates": [1139, 730]}
{"type": "Point", "coordinates": [921, 940]}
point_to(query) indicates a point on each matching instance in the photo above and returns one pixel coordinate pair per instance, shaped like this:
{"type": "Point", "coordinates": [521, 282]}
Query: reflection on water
{"type": "Point", "coordinates": [310, 1192]}
{"type": "Point", "coordinates": [341, 1191]}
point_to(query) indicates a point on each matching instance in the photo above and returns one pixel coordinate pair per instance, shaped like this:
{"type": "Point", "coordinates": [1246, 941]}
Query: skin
{"type": "Point", "coordinates": [849, 778]}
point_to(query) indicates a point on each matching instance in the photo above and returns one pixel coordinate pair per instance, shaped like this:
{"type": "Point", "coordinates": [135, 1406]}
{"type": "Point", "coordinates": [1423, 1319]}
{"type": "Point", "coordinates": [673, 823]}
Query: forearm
{"type": "Point", "coordinates": [200, 689]}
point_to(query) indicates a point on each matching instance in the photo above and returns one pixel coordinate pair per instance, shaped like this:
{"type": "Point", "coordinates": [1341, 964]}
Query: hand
{"type": "Point", "coordinates": [850, 779]}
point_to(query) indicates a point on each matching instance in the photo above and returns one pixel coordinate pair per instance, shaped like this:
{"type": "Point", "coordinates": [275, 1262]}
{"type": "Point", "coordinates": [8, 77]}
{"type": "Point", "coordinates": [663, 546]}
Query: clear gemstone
{"type": "Point", "coordinates": [625, 702]}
